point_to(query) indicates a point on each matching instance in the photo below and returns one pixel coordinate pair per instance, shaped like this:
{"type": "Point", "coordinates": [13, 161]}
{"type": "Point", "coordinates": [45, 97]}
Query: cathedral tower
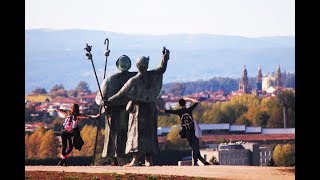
{"type": "Point", "coordinates": [244, 83]}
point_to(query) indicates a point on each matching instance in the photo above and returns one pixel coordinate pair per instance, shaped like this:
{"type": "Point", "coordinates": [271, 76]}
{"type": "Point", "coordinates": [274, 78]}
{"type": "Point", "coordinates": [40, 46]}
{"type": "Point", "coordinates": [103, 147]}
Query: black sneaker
{"type": "Point", "coordinates": [206, 163]}
{"type": "Point", "coordinates": [195, 164]}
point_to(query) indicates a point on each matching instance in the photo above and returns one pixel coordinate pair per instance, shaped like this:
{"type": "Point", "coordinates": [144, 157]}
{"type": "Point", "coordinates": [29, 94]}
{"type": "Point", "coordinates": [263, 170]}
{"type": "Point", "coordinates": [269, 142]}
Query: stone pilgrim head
{"type": "Point", "coordinates": [142, 63]}
{"type": "Point", "coordinates": [123, 63]}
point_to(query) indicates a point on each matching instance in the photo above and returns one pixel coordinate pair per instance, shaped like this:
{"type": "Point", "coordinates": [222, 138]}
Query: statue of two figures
{"type": "Point", "coordinates": [130, 110]}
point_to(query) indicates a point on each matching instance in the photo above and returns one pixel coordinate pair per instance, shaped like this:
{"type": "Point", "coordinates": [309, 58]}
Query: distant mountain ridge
{"type": "Point", "coordinates": [58, 56]}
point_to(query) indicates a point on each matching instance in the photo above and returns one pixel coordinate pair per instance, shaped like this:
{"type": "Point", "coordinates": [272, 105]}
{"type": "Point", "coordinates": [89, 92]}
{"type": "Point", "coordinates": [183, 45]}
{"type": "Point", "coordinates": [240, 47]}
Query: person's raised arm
{"type": "Point", "coordinates": [191, 99]}
{"type": "Point", "coordinates": [194, 101]}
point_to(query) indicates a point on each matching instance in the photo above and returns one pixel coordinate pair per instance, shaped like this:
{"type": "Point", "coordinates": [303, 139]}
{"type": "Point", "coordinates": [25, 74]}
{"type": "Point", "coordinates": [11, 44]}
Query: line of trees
{"type": "Point", "coordinates": [44, 143]}
{"type": "Point", "coordinates": [247, 109]}
{"type": "Point", "coordinates": [58, 90]}
{"type": "Point", "coordinates": [226, 84]}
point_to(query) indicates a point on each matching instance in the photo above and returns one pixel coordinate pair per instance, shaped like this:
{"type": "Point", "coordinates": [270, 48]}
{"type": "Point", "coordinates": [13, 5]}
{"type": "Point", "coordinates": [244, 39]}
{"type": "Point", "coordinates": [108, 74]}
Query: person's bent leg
{"type": "Point", "coordinates": [70, 148]}
{"type": "Point", "coordinates": [195, 150]}
{"type": "Point", "coordinates": [191, 143]}
{"type": "Point", "coordinates": [64, 147]}
{"type": "Point", "coordinates": [204, 162]}
{"type": "Point", "coordinates": [64, 140]}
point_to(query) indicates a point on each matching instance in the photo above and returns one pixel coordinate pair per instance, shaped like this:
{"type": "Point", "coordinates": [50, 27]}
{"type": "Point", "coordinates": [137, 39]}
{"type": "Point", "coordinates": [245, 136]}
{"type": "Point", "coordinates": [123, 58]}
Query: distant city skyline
{"type": "Point", "coordinates": [248, 18]}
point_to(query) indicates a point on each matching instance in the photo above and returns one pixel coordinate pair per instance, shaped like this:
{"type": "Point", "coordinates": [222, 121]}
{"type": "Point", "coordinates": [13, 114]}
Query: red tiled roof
{"type": "Point", "coordinates": [93, 96]}
{"type": "Point", "coordinates": [38, 124]}
{"type": "Point", "coordinates": [240, 137]}
{"type": "Point", "coordinates": [171, 99]}
{"type": "Point", "coordinates": [211, 100]}
{"type": "Point", "coordinates": [248, 137]}
{"type": "Point", "coordinates": [64, 100]}
{"type": "Point", "coordinates": [41, 107]}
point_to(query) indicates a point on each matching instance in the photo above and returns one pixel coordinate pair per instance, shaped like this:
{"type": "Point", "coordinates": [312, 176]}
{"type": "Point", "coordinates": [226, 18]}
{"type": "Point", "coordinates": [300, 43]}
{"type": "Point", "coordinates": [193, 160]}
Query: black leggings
{"type": "Point", "coordinates": [193, 142]}
{"type": "Point", "coordinates": [65, 138]}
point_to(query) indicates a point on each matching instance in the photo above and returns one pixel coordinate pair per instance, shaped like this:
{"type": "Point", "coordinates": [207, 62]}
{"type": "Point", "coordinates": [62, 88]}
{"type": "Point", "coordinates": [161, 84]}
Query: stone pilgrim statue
{"type": "Point", "coordinates": [142, 90]}
{"type": "Point", "coordinates": [116, 116]}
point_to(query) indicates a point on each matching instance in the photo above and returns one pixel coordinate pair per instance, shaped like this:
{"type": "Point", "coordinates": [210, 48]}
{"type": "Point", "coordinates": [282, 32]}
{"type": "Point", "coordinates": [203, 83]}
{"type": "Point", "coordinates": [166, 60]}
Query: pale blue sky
{"type": "Point", "coordinates": [249, 18]}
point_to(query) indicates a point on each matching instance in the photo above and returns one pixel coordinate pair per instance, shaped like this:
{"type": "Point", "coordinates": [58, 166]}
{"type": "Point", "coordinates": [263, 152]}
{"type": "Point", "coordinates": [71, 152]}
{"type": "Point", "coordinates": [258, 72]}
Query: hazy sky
{"type": "Point", "coordinates": [250, 18]}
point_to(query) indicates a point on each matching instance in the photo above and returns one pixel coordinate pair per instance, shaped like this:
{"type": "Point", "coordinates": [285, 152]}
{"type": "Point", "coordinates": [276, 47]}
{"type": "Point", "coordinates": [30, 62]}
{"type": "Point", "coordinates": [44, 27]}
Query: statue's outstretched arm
{"type": "Point", "coordinates": [120, 94]}
{"type": "Point", "coordinates": [164, 61]}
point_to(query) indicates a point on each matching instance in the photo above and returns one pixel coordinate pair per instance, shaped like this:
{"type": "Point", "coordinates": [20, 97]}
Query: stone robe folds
{"type": "Point", "coordinates": [142, 90]}
{"type": "Point", "coordinates": [117, 116]}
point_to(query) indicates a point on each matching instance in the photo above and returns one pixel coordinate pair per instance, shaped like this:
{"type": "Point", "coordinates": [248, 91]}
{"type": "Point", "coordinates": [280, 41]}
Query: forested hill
{"type": "Point", "coordinates": [58, 56]}
{"type": "Point", "coordinates": [217, 83]}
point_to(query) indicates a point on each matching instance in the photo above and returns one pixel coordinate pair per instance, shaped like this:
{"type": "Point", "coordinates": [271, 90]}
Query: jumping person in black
{"type": "Point", "coordinates": [187, 125]}
{"type": "Point", "coordinates": [72, 116]}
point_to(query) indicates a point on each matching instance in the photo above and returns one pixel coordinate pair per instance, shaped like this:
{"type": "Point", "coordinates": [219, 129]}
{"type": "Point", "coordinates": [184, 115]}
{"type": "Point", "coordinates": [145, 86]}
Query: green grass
{"type": "Point", "coordinates": [72, 177]}
{"type": "Point", "coordinates": [152, 177]}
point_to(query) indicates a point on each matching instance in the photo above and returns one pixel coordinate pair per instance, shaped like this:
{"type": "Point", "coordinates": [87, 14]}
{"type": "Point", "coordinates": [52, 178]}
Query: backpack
{"type": "Point", "coordinates": [77, 139]}
{"type": "Point", "coordinates": [186, 119]}
{"type": "Point", "coordinates": [70, 123]}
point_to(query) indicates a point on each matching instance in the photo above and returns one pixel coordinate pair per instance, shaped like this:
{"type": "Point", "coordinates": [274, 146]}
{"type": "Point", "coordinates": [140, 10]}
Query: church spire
{"type": "Point", "coordinates": [244, 83]}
